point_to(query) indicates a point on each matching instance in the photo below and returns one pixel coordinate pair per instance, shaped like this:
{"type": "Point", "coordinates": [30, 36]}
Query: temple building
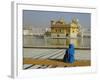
{"type": "Point", "coordinates": [61, 29]}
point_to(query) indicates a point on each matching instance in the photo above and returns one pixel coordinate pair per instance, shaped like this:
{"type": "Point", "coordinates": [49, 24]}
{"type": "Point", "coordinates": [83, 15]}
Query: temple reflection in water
{"type": "Point", "coordinates": [33, 41]}
{"type": "Point", "coordinates": [78, 42]}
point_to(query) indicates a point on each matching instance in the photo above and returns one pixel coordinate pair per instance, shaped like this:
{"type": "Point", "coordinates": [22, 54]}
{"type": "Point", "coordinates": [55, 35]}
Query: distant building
{"type": "Point", "coordinates": [61, 29]}
{"type": "Point", "coordinates": [27, 30]}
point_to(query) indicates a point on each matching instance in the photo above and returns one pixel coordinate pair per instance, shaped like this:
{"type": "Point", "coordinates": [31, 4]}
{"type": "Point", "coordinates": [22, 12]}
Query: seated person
{"type": "Point", "coordinates": [69, 55]}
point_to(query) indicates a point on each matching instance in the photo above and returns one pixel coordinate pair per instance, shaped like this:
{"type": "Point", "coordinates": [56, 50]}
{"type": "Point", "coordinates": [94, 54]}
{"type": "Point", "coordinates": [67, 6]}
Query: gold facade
{"type": "Point", "coordinates": [60, 28]}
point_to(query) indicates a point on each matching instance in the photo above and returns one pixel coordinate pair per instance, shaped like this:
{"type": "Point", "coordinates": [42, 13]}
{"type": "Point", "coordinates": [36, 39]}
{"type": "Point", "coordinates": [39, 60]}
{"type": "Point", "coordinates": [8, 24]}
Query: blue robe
{"type": "Point", "coordinates": [69, 55]}
{"type": "Point", "coordinates": [65, 59]}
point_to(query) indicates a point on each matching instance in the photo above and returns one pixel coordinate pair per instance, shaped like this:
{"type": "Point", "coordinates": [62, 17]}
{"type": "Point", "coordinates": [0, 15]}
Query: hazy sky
{"type": "Point", "coordinates": [43, 18]}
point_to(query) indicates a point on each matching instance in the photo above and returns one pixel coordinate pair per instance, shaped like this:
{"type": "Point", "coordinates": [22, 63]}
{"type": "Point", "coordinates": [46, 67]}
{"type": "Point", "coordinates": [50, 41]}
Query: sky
{"type": "Point", "coordinates": [42, 18]}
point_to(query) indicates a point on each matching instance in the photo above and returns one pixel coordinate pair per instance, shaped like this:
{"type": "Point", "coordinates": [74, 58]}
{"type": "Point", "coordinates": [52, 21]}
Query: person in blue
{"type": "Point", "coordinates": [69, 54]}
